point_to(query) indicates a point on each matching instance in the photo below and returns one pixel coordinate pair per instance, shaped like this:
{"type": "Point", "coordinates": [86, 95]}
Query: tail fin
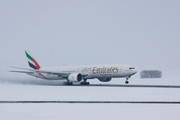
{"type": "Point", "coordinates": [32, 62]}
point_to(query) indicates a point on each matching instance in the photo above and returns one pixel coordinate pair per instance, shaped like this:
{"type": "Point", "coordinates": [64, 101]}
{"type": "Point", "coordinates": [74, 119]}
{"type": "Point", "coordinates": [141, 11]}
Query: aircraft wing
{"type": "Point", "coordinates": [29, 72]}
{"type": "Point", "coordinates": [64, 74]}
{"type": "Point", "coordinates": [39, 71]}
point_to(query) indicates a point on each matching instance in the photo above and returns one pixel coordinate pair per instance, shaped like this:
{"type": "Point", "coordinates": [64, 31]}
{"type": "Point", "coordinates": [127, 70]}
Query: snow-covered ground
{"type": "Point", "coordinates": [37, 89]}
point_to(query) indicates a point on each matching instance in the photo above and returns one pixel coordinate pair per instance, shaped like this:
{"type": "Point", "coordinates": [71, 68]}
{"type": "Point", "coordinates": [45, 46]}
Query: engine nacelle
{"type": "Point", "coordinates": [104, 79]}
{"type": "Point", "coordinates": [75, 77]}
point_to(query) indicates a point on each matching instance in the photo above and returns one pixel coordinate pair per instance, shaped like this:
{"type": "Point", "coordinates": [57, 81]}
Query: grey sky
{"type": "Point", "coordinates": [142, 33]}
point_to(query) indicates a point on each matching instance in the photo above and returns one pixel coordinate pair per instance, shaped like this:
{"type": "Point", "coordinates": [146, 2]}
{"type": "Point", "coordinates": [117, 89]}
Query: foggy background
{"type": "Point", "coordinates": [144, 34]}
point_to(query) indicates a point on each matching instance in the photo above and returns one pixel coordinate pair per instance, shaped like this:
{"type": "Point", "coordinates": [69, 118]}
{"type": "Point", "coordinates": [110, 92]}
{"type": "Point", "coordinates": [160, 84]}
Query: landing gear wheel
{"type": "Point", "coordinates": [68, 83]}
{"type": "Point", "coordinates": [84, 83]}
{"type": "Point", "coordinates": [126, 82]}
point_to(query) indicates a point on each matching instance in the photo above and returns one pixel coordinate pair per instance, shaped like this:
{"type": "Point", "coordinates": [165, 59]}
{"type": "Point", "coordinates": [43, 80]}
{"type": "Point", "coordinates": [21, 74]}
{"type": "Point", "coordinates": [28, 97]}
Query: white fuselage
{"type": "Point", "coordinates": [89, 72]}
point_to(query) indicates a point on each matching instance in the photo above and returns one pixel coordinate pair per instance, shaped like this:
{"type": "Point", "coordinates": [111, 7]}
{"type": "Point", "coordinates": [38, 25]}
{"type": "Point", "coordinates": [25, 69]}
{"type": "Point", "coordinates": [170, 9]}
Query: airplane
{"type": "Point", "coordinates": [77, 73]}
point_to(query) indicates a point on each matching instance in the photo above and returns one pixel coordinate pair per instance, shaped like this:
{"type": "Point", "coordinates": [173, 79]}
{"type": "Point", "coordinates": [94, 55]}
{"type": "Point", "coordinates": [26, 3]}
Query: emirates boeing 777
{"type": "Point", "coordinates": [78, 73]}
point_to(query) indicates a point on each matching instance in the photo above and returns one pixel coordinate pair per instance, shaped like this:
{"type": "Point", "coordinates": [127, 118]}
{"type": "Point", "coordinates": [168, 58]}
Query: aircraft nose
{"type": "Point", "coordinates": [134, 72]}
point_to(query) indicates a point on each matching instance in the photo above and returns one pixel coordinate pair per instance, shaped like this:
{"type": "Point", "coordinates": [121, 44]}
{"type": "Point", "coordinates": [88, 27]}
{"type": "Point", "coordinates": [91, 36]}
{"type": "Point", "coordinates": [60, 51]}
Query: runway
{"type": "Point", "coordinates": [45, 83]}
{"type": "Point", "coordinates": [94, 102]}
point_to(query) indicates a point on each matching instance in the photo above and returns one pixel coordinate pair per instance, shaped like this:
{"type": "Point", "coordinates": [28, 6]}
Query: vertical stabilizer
{"type": "Point", "coordinates": [31, 61]}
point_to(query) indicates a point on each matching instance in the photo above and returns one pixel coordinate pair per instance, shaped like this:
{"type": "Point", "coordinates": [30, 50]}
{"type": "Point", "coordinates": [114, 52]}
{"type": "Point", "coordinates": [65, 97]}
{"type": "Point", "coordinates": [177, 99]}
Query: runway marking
{"type": "Point", "coordinates": [118, 85]}
{"type": "Point", "coordinates": [90, 102]}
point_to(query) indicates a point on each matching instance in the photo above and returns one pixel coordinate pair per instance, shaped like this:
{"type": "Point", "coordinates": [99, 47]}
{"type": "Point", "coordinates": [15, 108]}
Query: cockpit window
{"type": "Point", "coordinates": [131, 68]}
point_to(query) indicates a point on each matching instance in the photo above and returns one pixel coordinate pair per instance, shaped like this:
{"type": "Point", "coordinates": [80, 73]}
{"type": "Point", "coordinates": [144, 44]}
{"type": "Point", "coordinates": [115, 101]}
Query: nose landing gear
{"type": "Point", "coordinates": [127, 79]}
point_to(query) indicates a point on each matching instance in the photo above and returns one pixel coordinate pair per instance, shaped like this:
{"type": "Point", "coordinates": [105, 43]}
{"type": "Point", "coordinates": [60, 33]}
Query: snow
{"type": "Point", "coordinates": [36, 89]}
{"type": "Point", "coordinates": [88, 111]}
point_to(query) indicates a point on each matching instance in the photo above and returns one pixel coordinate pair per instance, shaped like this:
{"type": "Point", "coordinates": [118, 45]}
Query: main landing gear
{"type": "Point", "coordinates": [84, 82]}
{"type": "Point", "coordinates": [68, 83]}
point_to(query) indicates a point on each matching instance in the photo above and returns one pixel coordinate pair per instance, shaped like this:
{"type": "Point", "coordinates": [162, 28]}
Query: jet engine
{"type": "Point", "coordinates": [104, 79]}
{"type": "Point", "coordinates": [75, 77]}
